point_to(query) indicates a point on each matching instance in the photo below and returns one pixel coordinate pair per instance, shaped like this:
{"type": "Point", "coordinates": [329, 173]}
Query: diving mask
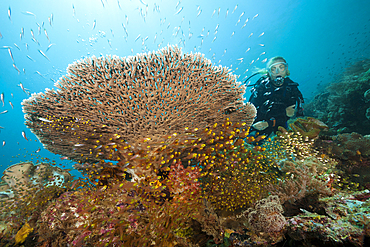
{"type": "Point", "coordinates": [278, 67]}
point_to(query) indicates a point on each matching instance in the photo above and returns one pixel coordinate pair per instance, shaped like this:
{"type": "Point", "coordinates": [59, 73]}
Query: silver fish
{"type": "Point", "coordinates": [10, 14]}
{"type": "Point", "coordinates": [178, 12]}
{"type": "Point", "coordinates": [43, 54]}
{"type": "Point", "coordinates": [28, 13]}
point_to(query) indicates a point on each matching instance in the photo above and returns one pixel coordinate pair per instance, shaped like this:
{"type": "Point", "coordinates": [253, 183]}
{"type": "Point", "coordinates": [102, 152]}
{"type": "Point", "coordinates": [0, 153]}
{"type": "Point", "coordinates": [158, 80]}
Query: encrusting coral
{"type": "Point", "coordinates": [135, 97]}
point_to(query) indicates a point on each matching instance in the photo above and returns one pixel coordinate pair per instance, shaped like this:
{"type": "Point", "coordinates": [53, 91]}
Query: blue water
{"type": "Point", "coordinates": [317, 38]}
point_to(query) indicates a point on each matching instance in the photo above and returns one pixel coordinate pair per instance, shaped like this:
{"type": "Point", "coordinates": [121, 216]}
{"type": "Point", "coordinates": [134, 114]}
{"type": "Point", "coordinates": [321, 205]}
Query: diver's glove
{"type": "Point", "coordinates": [290, 110]}
{"type": "Point", "coordinates": [261, 125]}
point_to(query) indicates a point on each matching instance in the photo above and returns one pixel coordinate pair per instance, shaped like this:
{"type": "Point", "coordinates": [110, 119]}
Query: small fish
{"type": "Point", "coordinates": [94, 24]}
{"type": "Point", "coordinates": [178, 12]}
{"type": "Point", "coordinates": [14, 66]}
{"type": "Point", "coordinates": [2, 98]}
{"type": "Point", "coordinates": [64, 158]}
{"type": "Point", "coordinates": [214, 11]}
{"type": "Point", "coordinates": [49, 19]}
{"type": "Point", "coordinates": [37, 72]}
{"type": "Point", "coordinates": [263, 53]}
{"type": "Point", "coordinates": [241, 15]}
{"type": "Point", "coordinates": [119, 5]}
{"type": "Point", "coordinates": [214, 39]}
{"type": "Point", "coordinates": [11, 104]}
{"type": "Point", "coordinates": [28, 13]}
{"type": "Point", "coordinates": [10, 14]}
{"type": "Point", "coordinates": [143, 2]}
{"type": "Point", "coordinates": [79, 145]}
{"type": "Point", "coordinates": [38, 150]}
{"type": "Point", "coordinates": [261, 34]}
{"type": "Point", "coordinates": [4, 143]}
{"type": "Point", "coordinates": [232, 34]}
{"type": "Point", "coordinates": [11, 54]}
{"type": "Point", "coordinates": [24, 135]}
{"type": "Point", "coordinates": [200, 11]}
{"type": "Point", "coordinates": [74, 11]}
{"type": "Point", "coordinates": [33, 35]}
{"type": "Point", "coordinates": [24, 89]}
{"type": "Point", "coordinates": [227, 12]}
{"type": "Point", "coordinates": [218, 13]}
{"type": "Point", "coordinates": [17, 46]}
{"type": "Point", "coordinates": [36, 41]}
{"type": "Point", "coordinates": [49, 47]}
{"type": "Point", "coordinates": [42, 53]}
{"type": "Point", "coordinates": [26, 46]}
{"type": "Point", "coordinates": [137, 37]}
{"type": "Point", "coordinates": [236, 6]}
{"type": "Point", "coordinates": [177, 4]}
{"type": "Point", "coordinates": [250, 35]}
{"type": "Point", "coordinates": [248, 49]}
{"type": "Point", "coordinates": [46, 34]}
{"type": "Point", "coordinates": [254, 16]}
{"type": "Point", "coordinates": [30, 58]}
{"type": "Point", "coordinates": [264, 60]}
{"type": "Point", "coordinates": [38, 28]}
{"type": "Point", "coordinates": [261, 45]}
{"type": "Point", "coordinates": [45, 120]}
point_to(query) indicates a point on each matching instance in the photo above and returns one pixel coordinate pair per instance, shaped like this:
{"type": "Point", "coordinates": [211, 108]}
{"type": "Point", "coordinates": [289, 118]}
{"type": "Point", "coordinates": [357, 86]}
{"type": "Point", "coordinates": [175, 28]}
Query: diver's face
{"type": "Point", "coordinates": [278, 69]}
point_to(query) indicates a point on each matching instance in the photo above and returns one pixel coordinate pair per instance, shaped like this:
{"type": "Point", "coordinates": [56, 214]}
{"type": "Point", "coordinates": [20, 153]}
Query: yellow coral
{"type": "Point", "coordinates": [23, 233]}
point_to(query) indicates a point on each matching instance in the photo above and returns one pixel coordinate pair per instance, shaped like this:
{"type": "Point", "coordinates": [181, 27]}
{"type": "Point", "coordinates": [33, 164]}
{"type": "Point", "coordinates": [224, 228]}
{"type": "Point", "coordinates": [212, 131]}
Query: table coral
{"type": "Point", "coordinates": [150, 94]}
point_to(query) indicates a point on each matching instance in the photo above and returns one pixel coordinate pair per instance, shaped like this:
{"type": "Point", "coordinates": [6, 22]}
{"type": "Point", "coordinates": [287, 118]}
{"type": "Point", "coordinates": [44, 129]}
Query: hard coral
{"type": "Point", "coordinates": [308, 127]}
{"type": "Point", "coordinates": [267, 215]}
{"type": "Point", "coordinates": [135, 97]}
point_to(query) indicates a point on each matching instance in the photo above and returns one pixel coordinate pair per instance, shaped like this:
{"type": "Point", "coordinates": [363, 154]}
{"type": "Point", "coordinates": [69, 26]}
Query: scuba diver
{"type": "Point", "coordinates": [276, 98]}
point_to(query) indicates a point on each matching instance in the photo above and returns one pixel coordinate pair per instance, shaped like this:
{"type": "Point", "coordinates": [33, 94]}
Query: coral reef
{"type": "Point", "coordinates": [308, 127]}
{"type": "Point", "coordinates": [302, 179]}
{"type": "Point", "coordinates": [346, 221]}
{"type": "Point", "coordinates": [148, 95]}
{"type": "Point", "coordinates": [352, 150]}
{"type": "Point", "coordinates": [163, 143]}
{"type": "Point", "coordinates": [343, 104]}
{"type": "Point", "coordinates": [24, 177]}
{"type": "Point", "coordinates": [266, 217]}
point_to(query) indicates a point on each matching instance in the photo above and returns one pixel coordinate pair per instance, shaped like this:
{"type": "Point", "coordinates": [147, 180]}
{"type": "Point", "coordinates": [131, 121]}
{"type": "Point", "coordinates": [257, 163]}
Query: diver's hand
{"type": "Point", "coordinates": [261, 125]}
{"type": "Point", "coordinates": [290, 110]}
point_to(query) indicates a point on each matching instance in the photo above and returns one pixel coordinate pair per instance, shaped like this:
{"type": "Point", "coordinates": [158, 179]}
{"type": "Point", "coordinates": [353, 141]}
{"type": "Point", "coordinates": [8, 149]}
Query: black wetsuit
{"type": "Point", "coordinates": [271, 102]}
